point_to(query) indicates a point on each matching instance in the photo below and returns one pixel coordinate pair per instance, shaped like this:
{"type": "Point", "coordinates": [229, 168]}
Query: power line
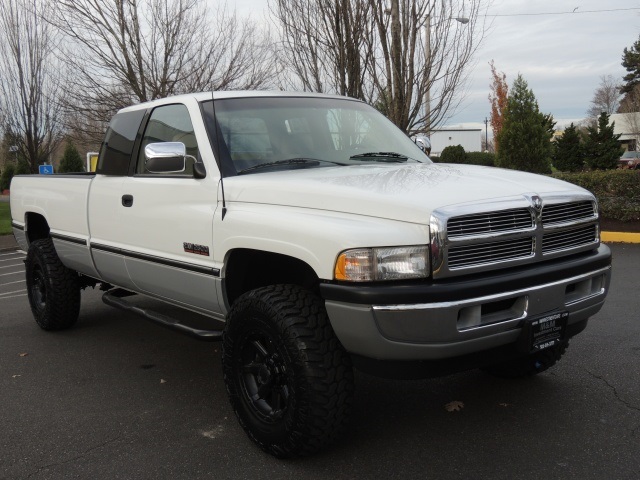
{"type": "Point", "coordinates": [561, 13]}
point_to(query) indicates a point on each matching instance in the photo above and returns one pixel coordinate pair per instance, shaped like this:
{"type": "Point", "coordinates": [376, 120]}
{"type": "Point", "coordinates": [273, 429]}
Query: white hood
{"type": "Point", "coordinates": [406, 192]}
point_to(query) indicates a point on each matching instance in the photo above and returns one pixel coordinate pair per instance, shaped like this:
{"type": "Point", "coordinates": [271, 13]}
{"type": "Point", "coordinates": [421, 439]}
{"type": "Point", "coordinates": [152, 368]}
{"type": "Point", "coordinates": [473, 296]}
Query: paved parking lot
{"type": "Point", "coordinates": [117, 397]}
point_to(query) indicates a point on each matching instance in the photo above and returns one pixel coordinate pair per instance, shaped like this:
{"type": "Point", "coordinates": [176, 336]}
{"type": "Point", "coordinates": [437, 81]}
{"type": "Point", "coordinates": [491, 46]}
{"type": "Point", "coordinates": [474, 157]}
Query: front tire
{"type": "Point", "coordinates": [289, 379]}
{"type": "Point", "coordinates": [53, 289]}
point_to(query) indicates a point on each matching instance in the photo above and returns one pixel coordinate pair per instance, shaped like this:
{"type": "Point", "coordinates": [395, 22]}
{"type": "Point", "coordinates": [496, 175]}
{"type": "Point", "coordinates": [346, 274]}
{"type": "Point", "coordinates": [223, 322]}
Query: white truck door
{"type": "Point", "coordinates": [166, 219]}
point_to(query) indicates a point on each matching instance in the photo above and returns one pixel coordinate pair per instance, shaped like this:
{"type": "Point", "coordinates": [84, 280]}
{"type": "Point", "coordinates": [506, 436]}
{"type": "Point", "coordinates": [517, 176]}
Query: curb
{"type": "Point", "coordinates": [620, 237]}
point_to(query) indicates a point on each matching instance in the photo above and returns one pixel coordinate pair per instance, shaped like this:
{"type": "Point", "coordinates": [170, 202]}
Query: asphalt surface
{"type": "Point", "coordinates": [116, 397]}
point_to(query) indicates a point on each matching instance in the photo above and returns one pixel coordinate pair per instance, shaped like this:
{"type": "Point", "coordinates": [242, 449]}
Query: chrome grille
{"type": "Point", "coordinates": [489, 222]}
{"type": "Point", "coordinates": [509, 232]}
{"type": "Point", "coordinates": [567, 212]}
{"type": "Point", "coordinates": [465, 256]}
{"type": "Point", "coordinates": [569, 239]}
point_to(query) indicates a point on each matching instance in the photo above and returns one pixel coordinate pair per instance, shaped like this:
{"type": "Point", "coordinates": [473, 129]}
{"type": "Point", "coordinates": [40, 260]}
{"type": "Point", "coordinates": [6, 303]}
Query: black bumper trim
{"type": "Point", "coordinates": [462, 288]}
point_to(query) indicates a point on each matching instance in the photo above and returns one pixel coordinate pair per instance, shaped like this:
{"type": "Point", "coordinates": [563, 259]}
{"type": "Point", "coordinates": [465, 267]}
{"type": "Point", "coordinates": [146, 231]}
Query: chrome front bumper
{"type": "Point", "coordinates": [440, 330]}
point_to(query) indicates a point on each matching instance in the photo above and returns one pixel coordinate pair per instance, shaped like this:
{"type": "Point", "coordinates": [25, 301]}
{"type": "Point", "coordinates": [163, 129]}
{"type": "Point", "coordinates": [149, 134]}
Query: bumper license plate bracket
{"type": "Point", "coordinates": [540, 333]}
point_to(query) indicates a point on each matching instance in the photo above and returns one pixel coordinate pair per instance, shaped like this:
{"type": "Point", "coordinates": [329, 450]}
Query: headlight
{"type": "Point", "coordinates": [387, 263]}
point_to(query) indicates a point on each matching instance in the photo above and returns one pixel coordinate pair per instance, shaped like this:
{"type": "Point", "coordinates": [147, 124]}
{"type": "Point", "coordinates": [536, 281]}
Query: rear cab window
{"type": "Point", "coordinates": [119, 141]}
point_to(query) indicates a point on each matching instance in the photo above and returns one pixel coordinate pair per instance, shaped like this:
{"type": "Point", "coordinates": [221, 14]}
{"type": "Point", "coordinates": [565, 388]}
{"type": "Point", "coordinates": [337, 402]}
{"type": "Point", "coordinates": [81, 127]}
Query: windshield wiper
{"type": "Point", "coordinates": [289, 161]}
{"type": "Point", "coordinates": [380, 157]}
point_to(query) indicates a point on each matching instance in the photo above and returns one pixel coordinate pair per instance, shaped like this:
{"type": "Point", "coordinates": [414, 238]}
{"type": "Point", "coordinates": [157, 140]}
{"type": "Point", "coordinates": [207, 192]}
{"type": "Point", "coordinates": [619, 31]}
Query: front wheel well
{"type": "Point", "coordinates": [248, 269]}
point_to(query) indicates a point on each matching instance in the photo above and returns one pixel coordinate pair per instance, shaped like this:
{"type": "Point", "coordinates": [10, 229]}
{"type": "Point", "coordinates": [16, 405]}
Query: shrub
{"type": "Point", "coordinates": [481, 158]}
{"type": "Point", "coordinates": [453, 154]}
{"type": "Point", "coordinates": [618, 191]}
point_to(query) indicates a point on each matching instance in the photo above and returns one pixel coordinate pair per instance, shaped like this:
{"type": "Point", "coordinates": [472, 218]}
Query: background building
{"type": "Point", "coordinates": [469, 138]}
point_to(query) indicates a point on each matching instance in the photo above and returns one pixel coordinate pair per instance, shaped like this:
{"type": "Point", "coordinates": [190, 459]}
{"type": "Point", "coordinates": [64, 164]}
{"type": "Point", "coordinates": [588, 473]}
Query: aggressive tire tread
{"type": "Point", "coordinates": [60, 306]}
{"type": "Point", "coordinates": [323, 371]}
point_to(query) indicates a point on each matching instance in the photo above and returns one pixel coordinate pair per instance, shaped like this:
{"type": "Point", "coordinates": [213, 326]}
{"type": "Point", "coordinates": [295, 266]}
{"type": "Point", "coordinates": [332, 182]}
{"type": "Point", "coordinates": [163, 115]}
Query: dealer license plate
{"type": "Point", "coordinates": [544, 332]}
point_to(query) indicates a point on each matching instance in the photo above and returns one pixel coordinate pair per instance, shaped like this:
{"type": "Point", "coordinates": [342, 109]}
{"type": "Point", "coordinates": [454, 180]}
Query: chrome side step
{"type": "Point", "coordinates": [115, 298]}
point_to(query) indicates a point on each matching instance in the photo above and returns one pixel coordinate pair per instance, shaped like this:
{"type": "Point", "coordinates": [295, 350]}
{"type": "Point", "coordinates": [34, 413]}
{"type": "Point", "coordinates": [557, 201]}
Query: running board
{"type": "Point", "coordinates": [115, 298]}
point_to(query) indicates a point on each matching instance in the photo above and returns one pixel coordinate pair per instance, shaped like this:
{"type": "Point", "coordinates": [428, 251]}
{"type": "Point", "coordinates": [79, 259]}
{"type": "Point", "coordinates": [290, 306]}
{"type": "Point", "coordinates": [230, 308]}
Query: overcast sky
{"type": "Point", "coordinates": [561, 56]}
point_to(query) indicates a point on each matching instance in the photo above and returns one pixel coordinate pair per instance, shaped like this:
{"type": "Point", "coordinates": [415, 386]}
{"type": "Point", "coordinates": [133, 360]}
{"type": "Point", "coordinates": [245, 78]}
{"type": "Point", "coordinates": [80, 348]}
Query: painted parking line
{"type": "Point", "coordinates": [13, 296]}
{"type": "Point", "coordinates": [11, 266]}
{"type": "Point", "coordinates": [21, 272]}
{"type": "Point", "coordinates": [10, 293]}
{"type": "Point", "coordinates": [12, 259]}
{"type": "Point", "coordinates": [11, 283]}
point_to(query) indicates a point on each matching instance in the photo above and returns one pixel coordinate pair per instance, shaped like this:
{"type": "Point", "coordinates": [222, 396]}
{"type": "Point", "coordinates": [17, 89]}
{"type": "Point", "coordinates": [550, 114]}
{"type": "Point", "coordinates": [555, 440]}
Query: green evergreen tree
{"type": "Point", "coordinates": [568, 153]}
{"type": "Point", "coordinates": [71, 160]}
{"type": "Point", "coordinates": [525, 138]}
{"type": "Point", "coordinates": [7, 174]}
{"type": "Point", "coordinates": [453, 154]}
{"type": "Point", "coordinates": [631, 62]}
{"type": "Point", "coordinates": [602, 149]}
{"type": "Point", "coordinates": [23, 167]}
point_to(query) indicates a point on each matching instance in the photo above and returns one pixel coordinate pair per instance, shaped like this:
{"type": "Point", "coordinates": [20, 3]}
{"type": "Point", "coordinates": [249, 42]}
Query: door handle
{"type": "Point", "coordinates": [127, 200]}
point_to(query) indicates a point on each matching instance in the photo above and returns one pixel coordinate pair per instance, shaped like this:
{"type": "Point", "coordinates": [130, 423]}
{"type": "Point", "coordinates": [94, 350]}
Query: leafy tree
{"type": "Point", "coordinates": [7, 175]}
{"type": "Point", "coordinates": [453, 154]}
{"type": "Point", "coordinates": [602, 149]}
{"type": "Point", "coordinates": [631, 62]}
{"type": "Point", "coordinates": [525, 138]}
{"type": "Point", "coordinates": [499, 98]}
{"type": "Point", "coordinates": [568, 155]}
{"type": "Point", "coordinates": [71, 160]}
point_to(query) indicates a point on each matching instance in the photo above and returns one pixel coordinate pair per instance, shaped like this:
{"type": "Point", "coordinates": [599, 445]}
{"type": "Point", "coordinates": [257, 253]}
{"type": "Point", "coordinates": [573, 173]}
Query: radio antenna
{"type": "Point", "coordinates": [218, 131]}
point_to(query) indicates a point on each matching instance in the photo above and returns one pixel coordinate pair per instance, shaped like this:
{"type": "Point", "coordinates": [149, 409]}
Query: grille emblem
{"type": "Point", "coordinates": [537, 203]}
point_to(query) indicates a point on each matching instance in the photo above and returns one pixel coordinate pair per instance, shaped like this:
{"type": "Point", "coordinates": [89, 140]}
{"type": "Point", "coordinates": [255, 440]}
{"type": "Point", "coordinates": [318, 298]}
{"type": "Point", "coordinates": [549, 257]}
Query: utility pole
{"type": "Point", "coordinates": [486, 134]}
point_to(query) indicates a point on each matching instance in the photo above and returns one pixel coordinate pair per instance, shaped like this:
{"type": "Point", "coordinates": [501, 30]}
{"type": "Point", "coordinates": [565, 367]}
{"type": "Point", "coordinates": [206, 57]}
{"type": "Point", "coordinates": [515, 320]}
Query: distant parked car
{"type": "Point", "coordinates": [630, 160]}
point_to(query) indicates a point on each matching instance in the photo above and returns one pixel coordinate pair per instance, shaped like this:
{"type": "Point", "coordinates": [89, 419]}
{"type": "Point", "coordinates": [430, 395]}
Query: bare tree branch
{"type": "Point", "coordinates": [375, 50]}
{"type": "Point", "coordinates": [31, 81]}
{"type": "Point", "coordinates": [324, 45]}
{"type": "Point", "coordinates": [606, 98]}
{"type": "Point", "coordinates": [129, 51]}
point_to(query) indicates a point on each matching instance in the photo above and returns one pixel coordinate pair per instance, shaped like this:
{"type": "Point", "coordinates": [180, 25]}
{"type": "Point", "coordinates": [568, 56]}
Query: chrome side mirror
{"type": "Point", "coordinates": [165, 157]}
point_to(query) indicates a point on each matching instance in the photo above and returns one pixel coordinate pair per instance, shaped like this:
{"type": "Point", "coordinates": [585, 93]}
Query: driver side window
{"type": "Point", "coordinates": [169, 123]}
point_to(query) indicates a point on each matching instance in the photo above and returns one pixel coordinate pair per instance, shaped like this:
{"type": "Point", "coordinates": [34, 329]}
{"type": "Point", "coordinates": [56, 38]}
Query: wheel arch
{"type": "Point", "coordinates": [36, 226]}
{"type": "Point", "coordinates": [247, 269]}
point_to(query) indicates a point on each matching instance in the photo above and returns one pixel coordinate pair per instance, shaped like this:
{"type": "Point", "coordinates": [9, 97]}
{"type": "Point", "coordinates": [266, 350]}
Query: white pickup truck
{"type": "Point", "coordinates": [325, 239]}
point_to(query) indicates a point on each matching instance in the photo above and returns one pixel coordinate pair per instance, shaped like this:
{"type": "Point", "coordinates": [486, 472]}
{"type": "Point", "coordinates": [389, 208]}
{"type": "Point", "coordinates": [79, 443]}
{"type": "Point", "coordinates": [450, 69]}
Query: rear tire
{"type": "Point", "coordinates": [529, 365]}
{"type": "Point", "coordinates": [289, 379]}
{"type": "Point", "coordinates": [53, 289]}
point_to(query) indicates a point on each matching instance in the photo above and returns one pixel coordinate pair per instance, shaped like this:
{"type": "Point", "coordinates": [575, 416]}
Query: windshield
{"type": "Point", "coordinates": [263, 134]}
